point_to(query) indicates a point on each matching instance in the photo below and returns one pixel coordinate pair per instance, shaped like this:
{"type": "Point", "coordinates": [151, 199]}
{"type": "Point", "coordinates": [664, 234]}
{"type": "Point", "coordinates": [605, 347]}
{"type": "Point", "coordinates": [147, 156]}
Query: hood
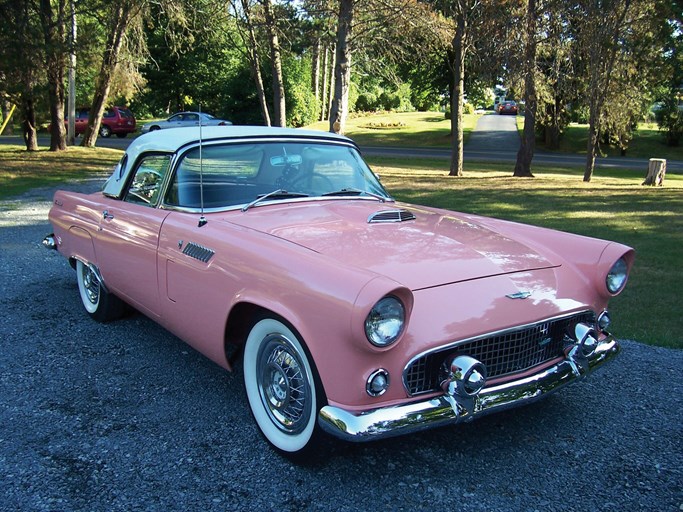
{"type": "Point", "coordinates": [433, 249]}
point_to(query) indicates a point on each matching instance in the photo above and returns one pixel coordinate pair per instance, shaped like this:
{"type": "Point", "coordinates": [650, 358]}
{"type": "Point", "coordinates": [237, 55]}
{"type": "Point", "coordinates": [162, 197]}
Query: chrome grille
{"type": "Point", "coordinates": [502, 353]}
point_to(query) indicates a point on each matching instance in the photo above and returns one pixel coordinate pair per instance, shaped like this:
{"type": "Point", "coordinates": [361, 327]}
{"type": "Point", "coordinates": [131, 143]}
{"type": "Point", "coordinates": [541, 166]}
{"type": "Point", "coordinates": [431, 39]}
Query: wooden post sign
{"type": "Point", "coordinates": [655, 172]}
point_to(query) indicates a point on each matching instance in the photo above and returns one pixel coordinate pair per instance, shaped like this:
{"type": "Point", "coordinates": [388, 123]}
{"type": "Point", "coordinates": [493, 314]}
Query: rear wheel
{"type": "Point", "coordinates": [100, 304]}
{"type": "Point", "coordinates": [280, 382]}
{"type": "Point", "coordinates": [105, 131]}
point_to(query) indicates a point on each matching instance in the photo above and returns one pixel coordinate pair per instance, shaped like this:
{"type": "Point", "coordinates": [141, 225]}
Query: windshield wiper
{"type": "Point", "coordinates": [275, 194]}
{"type": "Point", "coordinates": [350, 191]}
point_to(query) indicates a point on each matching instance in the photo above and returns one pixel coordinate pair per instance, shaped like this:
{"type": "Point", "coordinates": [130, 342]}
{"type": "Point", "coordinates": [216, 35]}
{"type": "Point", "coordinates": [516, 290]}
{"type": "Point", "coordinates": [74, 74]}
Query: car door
{"type": "Point", "coordinates": [81, 120]}
{"type": "Point", "coordinates": [176, 121]}
{"type": "Point", "coordinates": [191, 120]}
{"type": "Point", "coordinates": [127, 241]}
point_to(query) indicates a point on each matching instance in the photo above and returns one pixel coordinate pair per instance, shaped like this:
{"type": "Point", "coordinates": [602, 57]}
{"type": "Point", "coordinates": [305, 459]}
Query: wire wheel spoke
{"type": "Point", "coordinates": [283, 386]}
{"type": "Point", "coordinates": [92, 285]}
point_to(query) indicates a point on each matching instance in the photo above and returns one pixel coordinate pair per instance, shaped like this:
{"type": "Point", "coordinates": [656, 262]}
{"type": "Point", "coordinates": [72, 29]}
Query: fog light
{"type": "Point", "coordinates": [378, 382]}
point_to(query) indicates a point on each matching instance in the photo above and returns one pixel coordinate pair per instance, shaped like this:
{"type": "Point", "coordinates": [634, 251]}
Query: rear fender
{"type": "Point", "coordinates": [79, 246]}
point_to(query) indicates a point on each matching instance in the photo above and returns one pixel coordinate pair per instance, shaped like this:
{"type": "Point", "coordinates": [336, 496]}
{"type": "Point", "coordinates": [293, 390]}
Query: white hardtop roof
{"type": "Point", "coordinates": [171, 139]}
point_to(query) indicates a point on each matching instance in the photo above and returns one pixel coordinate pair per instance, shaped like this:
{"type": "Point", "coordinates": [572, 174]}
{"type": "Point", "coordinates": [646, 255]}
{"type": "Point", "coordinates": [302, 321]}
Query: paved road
{"type": "Point", "coordinates": [494, 133]}
{"type": "Point", "coordinates": [125, 417]}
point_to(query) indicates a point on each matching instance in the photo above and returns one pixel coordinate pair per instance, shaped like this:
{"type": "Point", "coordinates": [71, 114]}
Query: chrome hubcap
{"type": "Point", "coordinates": [91, 284]}
{"type": "Point", "coordinates": [283, 386]}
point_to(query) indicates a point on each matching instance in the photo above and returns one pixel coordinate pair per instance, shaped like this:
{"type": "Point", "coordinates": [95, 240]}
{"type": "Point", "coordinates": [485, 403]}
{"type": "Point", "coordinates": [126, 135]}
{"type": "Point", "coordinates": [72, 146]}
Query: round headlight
{"type": "Point", "coordinates": [616, 277]}
{"type": "Point", "coordinates": [384, 323]}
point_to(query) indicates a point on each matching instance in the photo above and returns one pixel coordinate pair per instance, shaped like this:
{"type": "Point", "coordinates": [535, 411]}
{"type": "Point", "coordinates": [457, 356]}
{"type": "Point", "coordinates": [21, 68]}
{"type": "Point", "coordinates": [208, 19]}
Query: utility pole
{"type": "Point", "coordinates": [71, 128]}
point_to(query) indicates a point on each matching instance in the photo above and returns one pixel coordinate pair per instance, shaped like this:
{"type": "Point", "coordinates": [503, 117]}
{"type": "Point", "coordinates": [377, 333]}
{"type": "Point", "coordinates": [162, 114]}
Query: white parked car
{"type": "Point", "coordinates": [184, 120]}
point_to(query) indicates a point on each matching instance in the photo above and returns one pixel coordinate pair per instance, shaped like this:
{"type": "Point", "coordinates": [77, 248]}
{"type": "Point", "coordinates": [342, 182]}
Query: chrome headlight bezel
{"type": "Point", "coordinates": [385, 322]}
{"type": "Point", "coordinates": [616, 278]}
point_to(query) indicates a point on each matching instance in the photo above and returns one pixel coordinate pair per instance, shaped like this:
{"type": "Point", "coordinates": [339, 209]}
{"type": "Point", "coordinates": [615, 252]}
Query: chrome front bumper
{"type": "Point", "coordinates": [450, 409]}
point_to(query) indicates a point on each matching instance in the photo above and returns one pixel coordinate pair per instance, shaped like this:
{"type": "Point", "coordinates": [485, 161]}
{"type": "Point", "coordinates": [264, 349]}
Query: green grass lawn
{"type": "Point", "coordinates": [647, 142]}
{"type": "Point", "coordinates": [614, 206]}
{"type": "Point", "coordinates": [404, 129]}
{"type": "Point", "coordinates": [21, 170]}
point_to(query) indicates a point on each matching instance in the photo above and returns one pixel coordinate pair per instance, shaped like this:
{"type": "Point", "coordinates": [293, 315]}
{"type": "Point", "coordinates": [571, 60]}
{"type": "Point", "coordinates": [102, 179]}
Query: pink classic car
{"type": "Point", "coordinates": [351, 314]}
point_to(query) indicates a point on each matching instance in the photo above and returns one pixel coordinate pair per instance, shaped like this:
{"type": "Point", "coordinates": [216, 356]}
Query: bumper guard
{"type": "Point", "coordinates": [451, 408]}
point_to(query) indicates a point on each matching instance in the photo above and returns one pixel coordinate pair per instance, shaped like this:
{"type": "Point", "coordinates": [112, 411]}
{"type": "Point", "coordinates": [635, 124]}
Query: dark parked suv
{"type": "Point", "coordinates": [118, 120]}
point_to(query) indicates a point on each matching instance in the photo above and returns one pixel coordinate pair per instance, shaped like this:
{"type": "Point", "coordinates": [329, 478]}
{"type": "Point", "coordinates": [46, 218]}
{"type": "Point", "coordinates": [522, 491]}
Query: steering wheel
{"type": "Point", "coordinates": [307, 180]}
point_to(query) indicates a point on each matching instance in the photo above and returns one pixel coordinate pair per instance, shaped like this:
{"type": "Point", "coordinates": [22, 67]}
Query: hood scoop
{"type": "Point", "coordinates": [391, 216]}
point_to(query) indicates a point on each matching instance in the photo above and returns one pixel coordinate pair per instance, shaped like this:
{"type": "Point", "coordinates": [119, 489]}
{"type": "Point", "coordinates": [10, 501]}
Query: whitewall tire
{"type": "Point", "coordinates": [280, 383]}
{"type": "Point", "coordinates": [100, 304]}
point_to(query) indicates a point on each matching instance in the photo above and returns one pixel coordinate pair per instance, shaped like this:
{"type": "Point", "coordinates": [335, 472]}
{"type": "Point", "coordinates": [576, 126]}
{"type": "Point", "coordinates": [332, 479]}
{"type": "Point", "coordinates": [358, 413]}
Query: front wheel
{"type": "Point", "coordinates": [100, 304]}
{"type": "Point", "coordinates": [280, 382]}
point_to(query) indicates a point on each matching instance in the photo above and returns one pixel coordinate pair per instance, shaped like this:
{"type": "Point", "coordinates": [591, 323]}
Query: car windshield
{"type": "Point", "coordinates": [239, 174]}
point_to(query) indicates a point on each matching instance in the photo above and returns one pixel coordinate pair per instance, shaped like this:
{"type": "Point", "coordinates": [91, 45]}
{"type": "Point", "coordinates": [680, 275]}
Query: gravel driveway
{"type": "Point", "coordinates": [125, 417]}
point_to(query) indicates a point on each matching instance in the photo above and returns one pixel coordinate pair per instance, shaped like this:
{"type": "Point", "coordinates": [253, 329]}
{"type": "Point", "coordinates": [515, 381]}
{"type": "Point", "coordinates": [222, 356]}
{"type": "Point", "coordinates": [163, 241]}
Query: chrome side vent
{"type": "Point", "coordinates": [198, 252]}
{"type": "Point", "coordinates": [391, 216]}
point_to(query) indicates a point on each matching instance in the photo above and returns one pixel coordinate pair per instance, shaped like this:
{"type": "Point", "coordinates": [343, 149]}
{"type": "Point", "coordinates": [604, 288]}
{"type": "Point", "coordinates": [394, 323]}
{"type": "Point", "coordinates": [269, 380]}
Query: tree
{"type": "Point", "coordinates": [604, 23]}
{"type": "Point", "coordinates": [342, 68]}
{"type": "Point", "coordinates": [557, 81]}
{"type": "Point", "coordinates": [525, 154]}
{"type": "Point", "coordinates": [53, 22]}
{"type": "Point", "coordinates": [118, 18]}
{"type": "Point", "coordinates": [279, 103]}
{"type": "Point", "coordinates": [462, 9]}
{"type": "Point", "coordinates": [242, 14]}
{"type": "Point", "coordinates": [21, 56]}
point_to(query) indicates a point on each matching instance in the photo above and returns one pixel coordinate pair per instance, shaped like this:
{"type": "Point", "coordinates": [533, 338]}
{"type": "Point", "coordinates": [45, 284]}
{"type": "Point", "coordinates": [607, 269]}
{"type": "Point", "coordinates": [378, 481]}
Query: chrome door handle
{"type": "Point", "coordinates": [106, 215]}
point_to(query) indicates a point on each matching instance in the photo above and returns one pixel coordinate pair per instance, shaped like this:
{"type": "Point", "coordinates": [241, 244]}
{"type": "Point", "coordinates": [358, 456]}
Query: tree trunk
{"type": "Point", "coordinates": [279, 104]}
{"type": "Point", "coordinates": [254, 61]}
{"type": "Point", "coordinates": [331, 85]}
{"type": "Point", "coordinates": [525, 154]}
{"type": "Point", "coordinates": [551, 133]}
{"type": "Point", "coordinates": [458, 94]}
{"type": "Point", "coordinates": [315, 75]}
{"type": "Point", "coordinates": [342, 69]}
{"type": "Point", "coordinates": [55, 63]}
{"type": "Point", "coordinates": [655, 172]}
{"type": "Point", "coordinates": [118, 23]}
{"type": "Point", "coordinates": [592, 144]}
{"type": "Point", "coordinates": [6, 113]}
{"type": "Point", "coordinates": [28, 123]}
{"type": "Point", "coordinates": [324, 110]}
{"type": "Point", "coordinates": [594, 107]}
